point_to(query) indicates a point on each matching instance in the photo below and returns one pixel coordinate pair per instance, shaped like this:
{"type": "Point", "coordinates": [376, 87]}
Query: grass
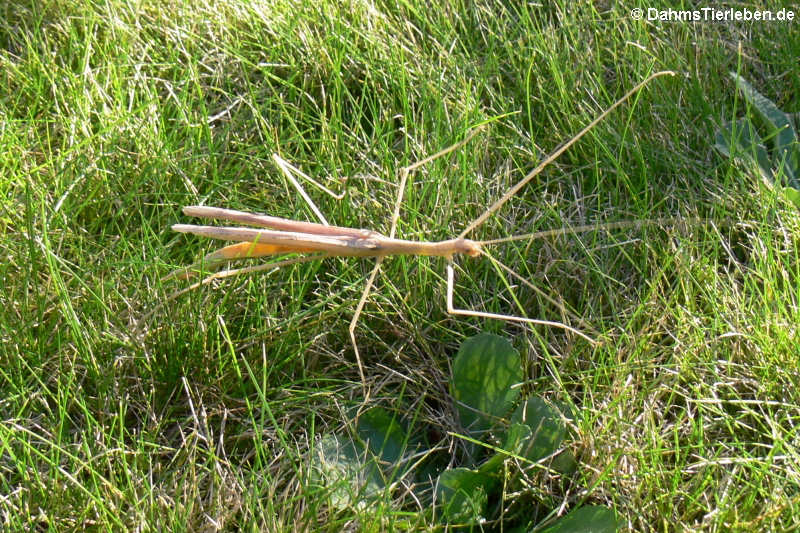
{"type": "Point", "coordinates": [115, 115]}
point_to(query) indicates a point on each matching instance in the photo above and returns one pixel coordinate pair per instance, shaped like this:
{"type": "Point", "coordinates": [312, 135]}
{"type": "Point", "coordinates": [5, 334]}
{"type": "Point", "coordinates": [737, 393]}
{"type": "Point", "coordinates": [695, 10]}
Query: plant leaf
{"type": "Point", "coordinates": [793, 195]}
{"type": "Point", "coordinates": [385, 436]}
{"type": "Point", "coordinates": [342, 466]}
{"type": "Point", "coordinates": [741, 141]}
{"type": "Point", "coordinates": [586, 519]}
{"type": "Point", "coordinates": [545, 429]}
{"type": "Point", "coordinates": [484, 372]}
{"type": "Point", "coordinates": [491, 467]}
{"type": "Point", "coordinates": [517, 437]}
{"type": "Point", "coordinates": [780, 131]}
{"type": "Point", "coordinates": [565, 463]}
{"type": "Point", "coordinates": [462, 493]}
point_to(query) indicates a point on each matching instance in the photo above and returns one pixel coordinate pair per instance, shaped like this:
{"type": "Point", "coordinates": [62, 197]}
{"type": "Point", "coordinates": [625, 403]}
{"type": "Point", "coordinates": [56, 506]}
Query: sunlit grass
{"type": "Point", "coordinates": [113, 116]}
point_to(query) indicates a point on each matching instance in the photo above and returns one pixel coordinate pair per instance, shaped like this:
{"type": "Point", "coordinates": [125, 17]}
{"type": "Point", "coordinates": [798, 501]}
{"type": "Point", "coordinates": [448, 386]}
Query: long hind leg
{"type": "Point", "coordinates": [404, 173]}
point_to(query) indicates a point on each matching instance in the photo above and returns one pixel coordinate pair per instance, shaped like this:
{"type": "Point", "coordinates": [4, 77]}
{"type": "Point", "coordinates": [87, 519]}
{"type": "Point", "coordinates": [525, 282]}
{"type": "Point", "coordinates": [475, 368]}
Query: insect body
{"type": "Point", "coordinates": [285, 236]}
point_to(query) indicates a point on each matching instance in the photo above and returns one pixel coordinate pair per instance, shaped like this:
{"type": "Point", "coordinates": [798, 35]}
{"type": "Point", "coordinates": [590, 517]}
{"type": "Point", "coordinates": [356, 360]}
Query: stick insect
{"type": "Point", "coordinates": [284, 236]}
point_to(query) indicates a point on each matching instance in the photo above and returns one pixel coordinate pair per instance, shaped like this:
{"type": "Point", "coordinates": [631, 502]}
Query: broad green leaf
{"type": "Point", "coordinates": [344, 468]}
{"type": "Point", "coordinates": [545, 429]}
{"type": "Point", "coordinates": [463, 495]}
{"type": "Point", "coordinates": [778, 123]}
{"type": "Point", "coordinates": [568, 411]}
{"type": "Point", "coordinates": [741, 141]}
{"type": "Point", "coordinates": [780, 130]}
{"type": "Point", "coordinates": [793, 195]}
{"type": "Point", "coordinates": [788, 162]}
{"type": "Point", "coordinates": [384, 435]}
{"type": "Point", "coordinates": [493, 465]}
{"type": "Point", "coordinates": [485, 371]}
{"type": "Point", "coordinates": [517, 437]}
{"type": "Point", "coordinates": [586, 519]}
{"type": "Point", "coordinates": [523, 440]}
{"type": "Point", "coordinates": [565, 463]}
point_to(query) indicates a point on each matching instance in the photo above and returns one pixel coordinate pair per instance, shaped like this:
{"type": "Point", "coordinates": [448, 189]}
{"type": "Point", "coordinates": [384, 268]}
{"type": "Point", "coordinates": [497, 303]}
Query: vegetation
{"type": "Point", "coordinates": [777, 156]}
{"type": "Point", "coordinates": [210, 414]}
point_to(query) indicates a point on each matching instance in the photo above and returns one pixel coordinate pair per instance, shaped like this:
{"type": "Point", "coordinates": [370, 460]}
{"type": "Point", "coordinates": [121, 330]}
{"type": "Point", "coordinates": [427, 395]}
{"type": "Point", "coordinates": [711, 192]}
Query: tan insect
{"type": "Point", "coordinates": [322, 240]}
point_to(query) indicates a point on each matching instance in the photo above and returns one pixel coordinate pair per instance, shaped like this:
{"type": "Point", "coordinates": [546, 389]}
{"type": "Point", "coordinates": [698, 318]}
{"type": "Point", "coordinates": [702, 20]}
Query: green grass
{"type": "Point", "coordinates": [113, 115]}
